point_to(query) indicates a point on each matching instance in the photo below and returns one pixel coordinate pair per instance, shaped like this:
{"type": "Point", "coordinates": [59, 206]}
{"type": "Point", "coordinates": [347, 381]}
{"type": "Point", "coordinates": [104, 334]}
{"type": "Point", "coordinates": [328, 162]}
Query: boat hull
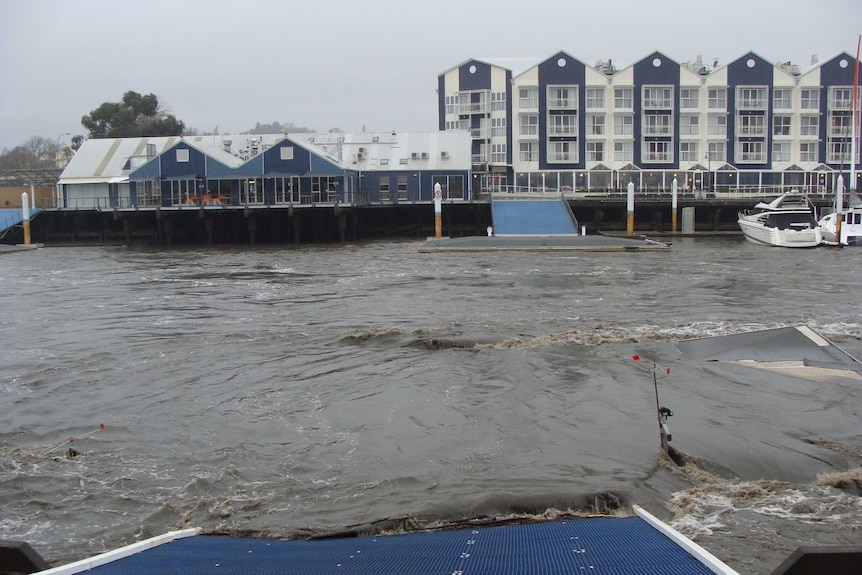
{"type": "Point", "coordinates": [786, 238]}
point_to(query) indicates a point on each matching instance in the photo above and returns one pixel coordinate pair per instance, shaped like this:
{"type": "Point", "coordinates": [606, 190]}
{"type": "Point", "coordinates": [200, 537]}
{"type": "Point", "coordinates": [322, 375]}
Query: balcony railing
{"type": "Point", "coordinates": [657, 131]}
{"type": "Point", "coordinates": [658, 104]}
{"type": "Point", "coordinates": [750, 130]}
{"type": "Point", "coordinates": [562, 103]}
{"type": "Point", "coordinates": [756, 104]}
{"type": "Point", "coordinates": [563, 130]}
{"type": "Point", "coordinates": [473, 108]}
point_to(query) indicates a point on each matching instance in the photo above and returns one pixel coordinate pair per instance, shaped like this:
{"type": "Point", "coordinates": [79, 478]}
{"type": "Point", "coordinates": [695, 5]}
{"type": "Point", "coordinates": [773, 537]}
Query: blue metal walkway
{"type": "Point", "coordinates": [623, 546]}
{"type": "Point", "coordinates": [532, 217]}
{"type": "Point", "coordinates": [11, 218]}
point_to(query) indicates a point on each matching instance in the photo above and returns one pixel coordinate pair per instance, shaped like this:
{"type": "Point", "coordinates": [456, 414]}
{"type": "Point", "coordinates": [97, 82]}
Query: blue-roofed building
{"type": "Point", "coordinates": [266, 170]}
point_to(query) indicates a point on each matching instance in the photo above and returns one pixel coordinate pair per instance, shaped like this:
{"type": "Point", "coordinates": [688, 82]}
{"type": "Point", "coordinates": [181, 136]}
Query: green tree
{"type": "Point", "coordinates": [134, 116]}
{"type": "Point", "coordinates": [279, 128]}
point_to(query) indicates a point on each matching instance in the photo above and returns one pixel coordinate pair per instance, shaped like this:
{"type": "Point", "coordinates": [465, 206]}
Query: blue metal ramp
{"type": "Point", "coordinates": [607, 545]}
{"type": "Point", "coordinates": [11, 218]}
{"type": "Point", "coordinates": [532, 217]}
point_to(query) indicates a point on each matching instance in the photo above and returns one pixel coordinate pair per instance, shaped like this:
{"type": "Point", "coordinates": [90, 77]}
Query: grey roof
{"type": "Point", "coordinates": [102, 160]}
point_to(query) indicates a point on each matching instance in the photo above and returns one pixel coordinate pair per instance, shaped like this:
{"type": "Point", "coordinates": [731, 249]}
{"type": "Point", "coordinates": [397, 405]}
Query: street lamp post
{"type": "Point", "coordinates": [708, 171]}
{"type": "Point", "coordinates": [57, 151]}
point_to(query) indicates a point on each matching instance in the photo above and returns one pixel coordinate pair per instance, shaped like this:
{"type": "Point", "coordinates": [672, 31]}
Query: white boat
{"type": "Point", "coordinates": [851, 224]}
{"type": "Point", "coordinates": [787, 221]}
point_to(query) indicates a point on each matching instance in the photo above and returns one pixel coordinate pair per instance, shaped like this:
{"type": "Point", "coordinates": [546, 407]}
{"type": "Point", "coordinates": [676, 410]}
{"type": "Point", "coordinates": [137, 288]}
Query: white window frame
{"type": "Point", "coordinates": [528, 97]}
{"type": "Point", "coordinates": [624, 98]}
{"type": "Point", "coordinates": [689, 125]}
{"type": "Point", "coordinates": [595, 151]}
{"type": "Point", "coordinates": [689, 98]}
{"type": "Point", "coordinates": [688, 151]}
{"type": "Point", "coordinates": [782, 99]}
{"type": "Point", "coordinates": [717, 98]}
{"type": "Point", "coordinates": [781, 151]}
{"type": "Point", "coordinates": [529, 124]}
{"type": "Point", "coordinates": [623, 151]}
{"type": "Point", "coordinates": [498, 127]}
{"type": "Point", "coordinates": [595, 98]}
{"type": "Point", "coordinates": [624, 124]}
{"type": "Point", "coordinates": [809, 125]}
{"type": "Point", "coordinates": [716, 125]}
{"type": "Point", "coordinates": [809, 99]}
{"type": "Point", "coordinates": [808, 151]}
{"type": "Point", "coordinates": [782, 125]}
{"type": "Point", "coordinates": [596, 124]}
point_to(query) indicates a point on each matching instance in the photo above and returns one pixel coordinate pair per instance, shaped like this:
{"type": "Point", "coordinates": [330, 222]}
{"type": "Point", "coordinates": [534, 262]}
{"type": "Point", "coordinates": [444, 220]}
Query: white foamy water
{"type": "Point", "coordinates": [299, 390]}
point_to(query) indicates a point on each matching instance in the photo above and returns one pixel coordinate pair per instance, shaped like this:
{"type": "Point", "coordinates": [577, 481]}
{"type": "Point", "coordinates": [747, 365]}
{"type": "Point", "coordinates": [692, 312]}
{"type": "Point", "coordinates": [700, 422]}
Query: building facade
{"type": "Point", "coordinates": [266, 170]}
{"type": "Point", "coordinates": [562, 125]}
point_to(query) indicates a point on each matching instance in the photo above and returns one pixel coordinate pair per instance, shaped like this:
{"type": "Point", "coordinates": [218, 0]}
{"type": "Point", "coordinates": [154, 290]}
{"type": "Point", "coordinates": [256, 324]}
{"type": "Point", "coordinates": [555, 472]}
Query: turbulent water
{"type": "Point", "coordinates": [303, 390]}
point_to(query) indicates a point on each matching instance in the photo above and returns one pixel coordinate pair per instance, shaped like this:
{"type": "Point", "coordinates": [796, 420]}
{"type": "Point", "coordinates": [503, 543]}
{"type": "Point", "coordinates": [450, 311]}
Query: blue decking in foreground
{"type": "Point", "coordinates": [624, 546]}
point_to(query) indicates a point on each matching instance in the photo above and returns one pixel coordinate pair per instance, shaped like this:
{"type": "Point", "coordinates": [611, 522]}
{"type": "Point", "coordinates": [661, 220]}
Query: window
{"type": "Point", "coordinates": [750, 125]}
{"type": "Point", "coordinates": [563, 125]}
{"type": "Point", "coordinates": [623, 125]}
{"type": "Point", "coordinates": [809, 125]}
{"type": "Point", "coordinates": [623, 152]}
{"type": "Point", "coordinates": [402, 187]}
{"type": "Point", "coordinates": [562, 97]}
{"type": "Point", "coordinates": [781, 125]}
{"type": "Point", "coordinates": [498, 153]}
{"type": "Point", "coordinates": [384, 188]}
{"type": "Point", "coordinates": [689, 98]}
{"type": "Point", "coordinates": [716, 152]}
{"type": "Point", "coordinates": [286, 152]}
{"type": "Point", "coordinates": [716, 125]}
{"type": "Point", "coordinates": [657, 125]}
{"type": "Point", "coordinates": [597, 125]}
{"type": "Point", "coordinates": [751, 98]}
{"type": "Point", "coordinates": [623, 98]}
{"type": "Point", "coordinates": [498, 127]}
{"type": "Point", "coordinates": [182, 154]}
{"type": "Point", "coordinates": [782, 98]}
{"type": "Point", "coordinates": [529, 124]}
{"type": "Point", "coordinates": [595, 151]}
{"type": "Point", "coordinates": [688, 152]}
{"type": "Point", "coordinates": [452, 104]}
{"type": "Point", "coordinates": [459, 125]}
{"type": "Point", "coordinates": [528, 97]}
{"type": "Point", "coordinates": [810, 99]}
{"type": "Point", "coordinates": [528, 152]}
{"type": "Point", "coordinates": [751, 152]}
{"type": "Point", "coordinates": [838, 152]}
{"type": "Point", "coordinates": [384, 161]}
{"type": "Point", "coordinates": [717, 98]}
{"type": "Point", "coordinates": [596, 98]}
{"type": "Point", "coordinates": [402, 161]}
{"type": "Point", "coordinates": [780, 151]}
{"type": "Point", "coordinates": [657, 152]}
{"type": "Point", "coordinates": [498, 101]}
{"type": "Point", "coordinates": [840, 126]}
{"type": "Point", "coordinates": [689, 125]}
{"type": "Point", "coordinates": [660, 97]}
{"type": "Point", "coordinates": [562, 152]}
{"type": "Point", "coordinates": [808, 152]}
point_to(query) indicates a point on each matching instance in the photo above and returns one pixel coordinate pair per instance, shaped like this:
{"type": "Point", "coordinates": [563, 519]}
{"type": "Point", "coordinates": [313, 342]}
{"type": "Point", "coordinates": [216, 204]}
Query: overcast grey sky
{"type": "Point", "coordinates": [352, 63]}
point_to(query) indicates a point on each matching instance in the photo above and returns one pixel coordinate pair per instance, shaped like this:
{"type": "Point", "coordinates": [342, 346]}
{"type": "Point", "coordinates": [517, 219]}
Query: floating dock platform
{"type": "Point", "coordinates": [542, 243]}
{"type": "Point", "coordinates": [638, 545]}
